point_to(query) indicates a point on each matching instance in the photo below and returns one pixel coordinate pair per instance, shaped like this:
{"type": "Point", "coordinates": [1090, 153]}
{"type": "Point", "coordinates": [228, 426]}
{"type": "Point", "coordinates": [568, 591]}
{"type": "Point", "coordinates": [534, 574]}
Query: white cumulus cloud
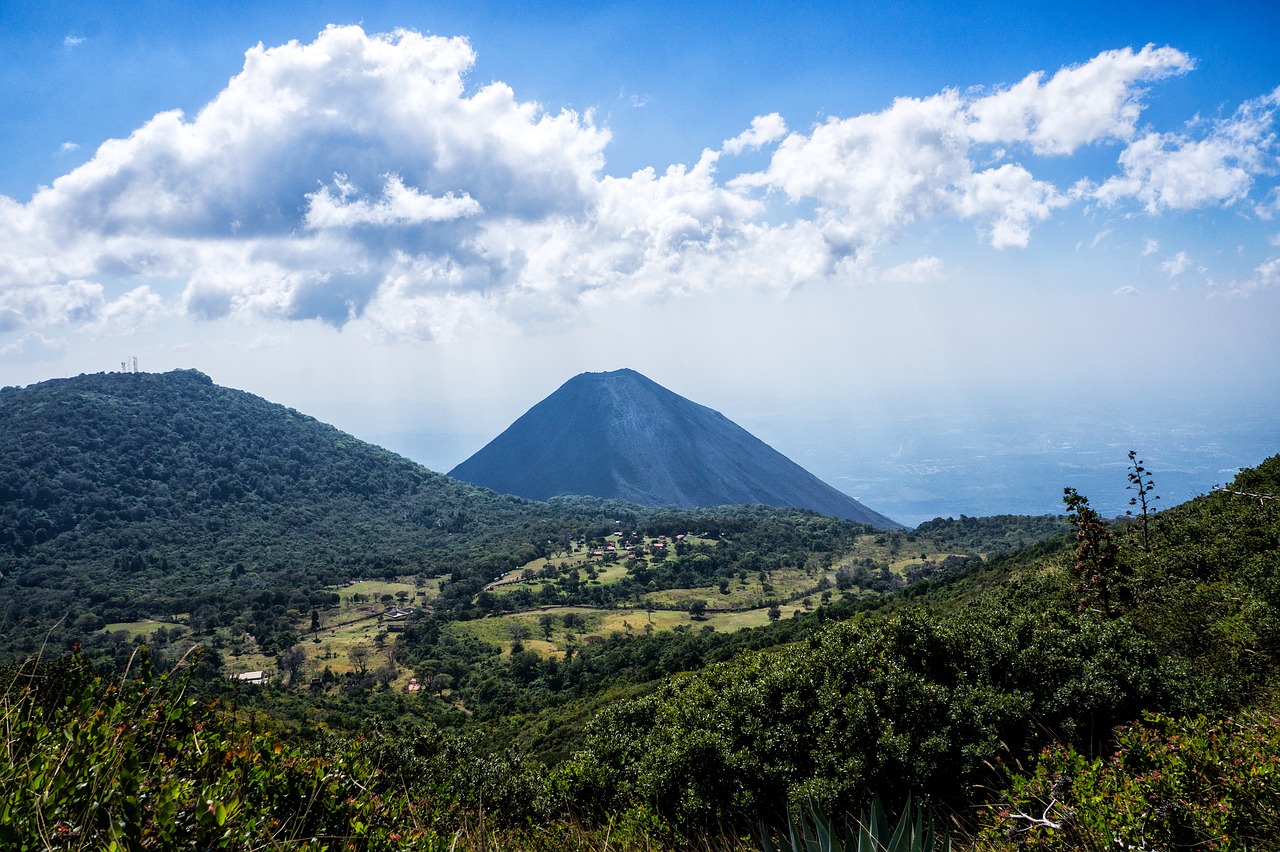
{"type": "Point", "coordinates": [927, 268]}
{"type": "Point", "coordinates": [1265, 277]}
{"type": "Point", "coordinates": [763, 130]}
{"type": "Point", "coordinates": [1180, 171]}
{"type": "Point", "coordinates": [1176, 265]}
{"type": "Point", "coordinates": [364, 178]}
{"type": "Point", "coordinates": [399, 205]}
{"type": "Point", "coordinates": [1098, 100]}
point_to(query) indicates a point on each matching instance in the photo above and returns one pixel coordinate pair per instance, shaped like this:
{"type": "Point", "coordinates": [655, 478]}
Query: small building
{"type": "Point", "coordinates": [255, 678]}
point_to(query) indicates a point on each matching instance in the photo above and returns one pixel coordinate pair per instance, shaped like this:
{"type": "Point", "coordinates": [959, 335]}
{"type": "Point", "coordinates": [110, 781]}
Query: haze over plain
{"type": "Point", "coordinates": [947, 259]}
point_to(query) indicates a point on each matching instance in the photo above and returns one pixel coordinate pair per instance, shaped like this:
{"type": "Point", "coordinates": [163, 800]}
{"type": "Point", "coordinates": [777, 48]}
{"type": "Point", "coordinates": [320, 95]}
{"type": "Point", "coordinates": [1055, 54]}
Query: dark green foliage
{"type": "Point", "coordinates": [914, 703]}
{"type": "Point", "coordinates": [1189, 783]}
{"type": "Point", "coordinates": [1100, 580]}
{"type": "Point", "coordinates": [995, 534]}
{"type": "Point", "coordinates": [134, 495]}
{"type": "Point", "coordinates": [138, 495]}
{"type": "Point", "coordinates": [129, 496]}
{"type": "Point", "coordinates": [924, 701]}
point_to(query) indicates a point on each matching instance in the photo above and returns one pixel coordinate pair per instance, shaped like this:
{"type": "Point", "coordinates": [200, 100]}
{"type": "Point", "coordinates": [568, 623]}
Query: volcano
{"type": "Point", "coordinates": [622, 436]}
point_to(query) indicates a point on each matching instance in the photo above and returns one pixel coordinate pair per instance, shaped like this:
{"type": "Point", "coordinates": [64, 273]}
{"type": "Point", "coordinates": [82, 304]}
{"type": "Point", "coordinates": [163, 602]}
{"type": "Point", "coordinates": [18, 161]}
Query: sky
{"type": "Point", "coordinates": [949, 257]}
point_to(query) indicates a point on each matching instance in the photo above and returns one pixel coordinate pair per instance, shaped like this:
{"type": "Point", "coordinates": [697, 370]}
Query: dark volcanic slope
{"type": "Point", "coordinates": [619, 435]}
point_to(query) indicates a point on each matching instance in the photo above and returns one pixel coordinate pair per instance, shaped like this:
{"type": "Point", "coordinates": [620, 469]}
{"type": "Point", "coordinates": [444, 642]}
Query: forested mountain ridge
{"type": "Point", "coordinates": [123, 494]}
{"type": "Point", "coordinates": [83, 454]}
{"type": "Point", "coordinates": [622, 436]}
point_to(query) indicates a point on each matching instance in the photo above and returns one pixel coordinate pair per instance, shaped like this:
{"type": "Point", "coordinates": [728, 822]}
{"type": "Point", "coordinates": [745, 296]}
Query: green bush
{"type": "Point", "coordinates": [132, 763]}
{"type": "Point", "coordinates": [1171, 783]}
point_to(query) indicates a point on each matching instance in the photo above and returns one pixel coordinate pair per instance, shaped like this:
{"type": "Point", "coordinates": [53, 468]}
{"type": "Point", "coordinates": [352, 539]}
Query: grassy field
{"type": "Point", "coordinates": [144, 628]}
{"type": "Point", "coordinates": [748, 594]}
{"type": "Point", "coordinates": [357, 622]}
{"type": "Point", "coordinates": [584, 559]}
{"type": "Point", "coordinates": [372, 591]}
{"type": "Point", "coordinates": [354, 622]}
{"type": "Point", "coordinates": [602, 623]}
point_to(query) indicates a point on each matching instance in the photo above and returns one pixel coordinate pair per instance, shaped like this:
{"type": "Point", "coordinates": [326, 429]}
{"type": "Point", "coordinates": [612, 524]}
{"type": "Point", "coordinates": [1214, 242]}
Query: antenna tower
{"type": "Point", "coordinates": [135, 363]}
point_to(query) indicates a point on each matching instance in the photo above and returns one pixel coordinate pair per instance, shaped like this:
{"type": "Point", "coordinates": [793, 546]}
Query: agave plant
{"type": "Point", "coordinates": [810, 829]}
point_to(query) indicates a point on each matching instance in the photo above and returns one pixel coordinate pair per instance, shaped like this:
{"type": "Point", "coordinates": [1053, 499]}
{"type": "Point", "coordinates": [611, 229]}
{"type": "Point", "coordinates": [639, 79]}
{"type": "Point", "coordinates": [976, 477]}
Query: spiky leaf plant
{"type": "Point", "coordinates": [810, 829]}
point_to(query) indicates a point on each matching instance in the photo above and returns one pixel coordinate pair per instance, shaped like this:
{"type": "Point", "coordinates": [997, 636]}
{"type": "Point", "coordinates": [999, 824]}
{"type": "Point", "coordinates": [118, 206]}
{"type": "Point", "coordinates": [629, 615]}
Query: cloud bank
{"type": "Point", "coordinates": [364, 178]}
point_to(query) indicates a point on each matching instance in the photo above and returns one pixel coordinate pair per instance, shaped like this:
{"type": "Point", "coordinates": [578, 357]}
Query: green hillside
{"type": "Point", "coordinates": [130, 496]}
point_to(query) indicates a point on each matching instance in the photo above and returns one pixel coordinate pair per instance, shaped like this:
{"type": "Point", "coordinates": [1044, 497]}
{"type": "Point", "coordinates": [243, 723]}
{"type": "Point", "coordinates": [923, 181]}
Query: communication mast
{"type": "Point", "coordinates": [135, 363]}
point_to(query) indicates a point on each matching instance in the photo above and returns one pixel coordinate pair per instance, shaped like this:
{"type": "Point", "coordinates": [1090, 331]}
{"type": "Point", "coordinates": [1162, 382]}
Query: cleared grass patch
{"type": "Point", "coordinates": [783, 584]}
{"type": "Point", "coordinates": [143, 628]}
{"type": "Point", "coordinates": [901, 566]}
{"type": "Point", "coordinates": [728, 622]}
{"type": "Point", "coordinates": [373, 590]}
{"type": "Point", "coordinates": [599, 623]}
{"type": "Point", "coordinates": [609, 566]}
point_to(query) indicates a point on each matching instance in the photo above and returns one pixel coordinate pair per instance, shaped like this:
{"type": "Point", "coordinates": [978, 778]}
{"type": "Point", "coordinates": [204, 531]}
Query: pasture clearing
{"type": "Point", "coordinates": [590, 624]}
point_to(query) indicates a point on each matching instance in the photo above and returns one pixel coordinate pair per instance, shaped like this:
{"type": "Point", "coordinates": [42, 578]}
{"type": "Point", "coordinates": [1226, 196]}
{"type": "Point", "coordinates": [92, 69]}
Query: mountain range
{"type": "Point", "coordinates": [622, 436]}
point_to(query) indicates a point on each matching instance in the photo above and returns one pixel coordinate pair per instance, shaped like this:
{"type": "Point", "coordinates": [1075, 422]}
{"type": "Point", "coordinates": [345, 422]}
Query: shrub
{"type": "Point", "coordinates": [1171, 783]}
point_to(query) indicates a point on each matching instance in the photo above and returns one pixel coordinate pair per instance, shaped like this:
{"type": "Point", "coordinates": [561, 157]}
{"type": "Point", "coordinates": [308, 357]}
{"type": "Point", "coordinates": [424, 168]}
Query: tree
{"type": "Point", "coordinates": [440, 682]}
{"type": "Point", "coordinates": [291, 661]}
{"type": "Point", "coordinates": [386, 674]}
{"type": "Point", "coordinates": [698, 609]}
{"type": "Point", "coordinates": [775, 612]}
{"type": "Point", "coordinates": [1099, 575]}
{"type": "Point", "coordinates": [359, 657]}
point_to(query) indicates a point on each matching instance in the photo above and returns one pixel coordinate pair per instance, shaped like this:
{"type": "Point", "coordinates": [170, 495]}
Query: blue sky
{"type": "Point", "coordinates": [1040, 229]}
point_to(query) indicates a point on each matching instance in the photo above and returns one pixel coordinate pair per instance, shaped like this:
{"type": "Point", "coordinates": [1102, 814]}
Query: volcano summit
{"type": "Point", "coordinates": [622, 436]}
